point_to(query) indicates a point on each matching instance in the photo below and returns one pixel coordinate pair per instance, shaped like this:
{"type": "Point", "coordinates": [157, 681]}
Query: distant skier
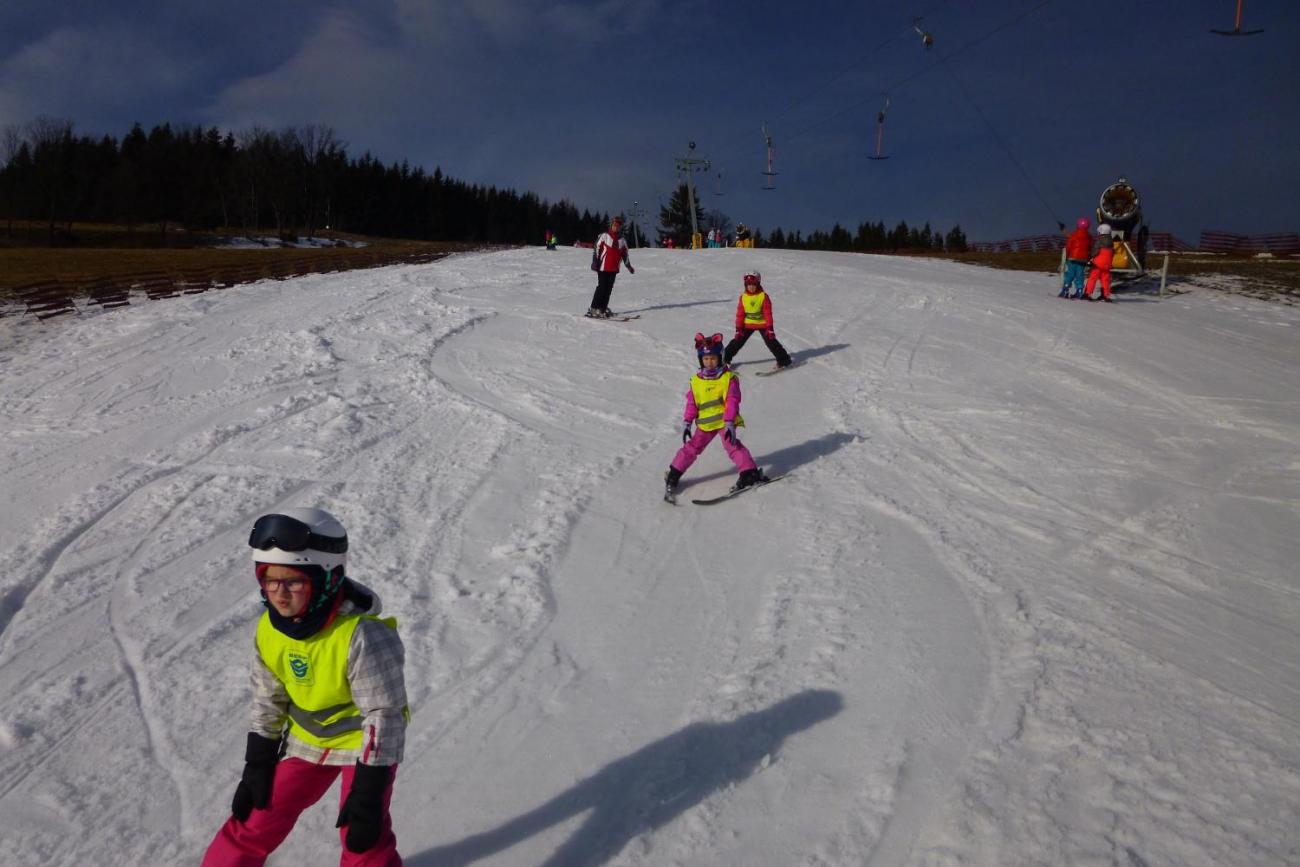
{"type": "Point", "coordinates": [610, 252]}
{"type": "Point", "coordinates": [754, 315]}
{"type": "Point", "coordinates": [551, 240]}
{"type": "Point", "coordinates": [713, 406]}
{"type": "Point", "coordinates": [1077, 247]}
{"type": "Point", "coordinates": [1101, 265]}
{"type": "Point", "coordinates": [329, 699]}
{"type": "Point", "coordinates": [743, 236]}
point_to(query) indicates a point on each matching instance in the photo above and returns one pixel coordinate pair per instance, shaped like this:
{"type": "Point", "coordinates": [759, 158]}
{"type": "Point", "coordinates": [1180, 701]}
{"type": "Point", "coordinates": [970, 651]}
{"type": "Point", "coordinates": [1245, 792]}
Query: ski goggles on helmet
{"type": "Point", "coordinates": [753, 278]}
{"type": "Point", "coordinates": [290, 534]}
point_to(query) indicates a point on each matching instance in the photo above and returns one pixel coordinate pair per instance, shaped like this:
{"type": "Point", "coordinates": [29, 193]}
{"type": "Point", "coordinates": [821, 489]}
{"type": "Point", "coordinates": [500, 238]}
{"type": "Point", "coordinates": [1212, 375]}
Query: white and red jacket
{"type": "Point", "coordinates": [610, 251]}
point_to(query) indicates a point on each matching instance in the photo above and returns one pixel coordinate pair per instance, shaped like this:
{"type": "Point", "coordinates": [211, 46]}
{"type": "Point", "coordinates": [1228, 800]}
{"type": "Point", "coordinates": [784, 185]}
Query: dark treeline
{"type": "Point", "coordinates": [872, 237]}
{"type": "Point", "coordinates": [295, 181]}
{"type": "Point", "coordinates": [675, 222]}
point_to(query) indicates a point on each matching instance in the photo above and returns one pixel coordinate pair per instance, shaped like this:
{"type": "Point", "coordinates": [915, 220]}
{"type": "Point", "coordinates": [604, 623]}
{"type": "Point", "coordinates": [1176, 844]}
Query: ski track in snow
{"type": "Point", "coordinates": [1028, 597]}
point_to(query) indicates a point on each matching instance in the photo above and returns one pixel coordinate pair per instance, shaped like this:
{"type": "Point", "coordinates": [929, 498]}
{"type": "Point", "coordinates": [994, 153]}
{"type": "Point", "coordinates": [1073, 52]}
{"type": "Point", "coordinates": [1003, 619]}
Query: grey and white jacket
{"type": "Point", "coordinates": [376, 659]}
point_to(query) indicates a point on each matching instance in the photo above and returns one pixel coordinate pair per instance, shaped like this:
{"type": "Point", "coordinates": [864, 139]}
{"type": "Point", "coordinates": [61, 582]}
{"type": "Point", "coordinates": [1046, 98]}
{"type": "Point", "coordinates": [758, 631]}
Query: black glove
{"type": "Point", "coordinates": [363, 811]}
{"type": "Point", "coordinates": [686, 433]}
{"type": "Point", "coordinates": [254, 789]}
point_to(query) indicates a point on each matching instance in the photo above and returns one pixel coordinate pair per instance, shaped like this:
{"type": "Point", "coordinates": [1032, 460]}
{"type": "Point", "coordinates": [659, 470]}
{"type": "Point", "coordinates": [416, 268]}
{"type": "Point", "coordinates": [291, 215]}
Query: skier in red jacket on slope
{"type": "Point", "coordinates": [611, 250]}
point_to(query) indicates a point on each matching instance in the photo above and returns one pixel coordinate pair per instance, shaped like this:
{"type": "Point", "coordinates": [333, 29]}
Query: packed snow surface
{"type": "Point", "coordinates": [1028, 596]}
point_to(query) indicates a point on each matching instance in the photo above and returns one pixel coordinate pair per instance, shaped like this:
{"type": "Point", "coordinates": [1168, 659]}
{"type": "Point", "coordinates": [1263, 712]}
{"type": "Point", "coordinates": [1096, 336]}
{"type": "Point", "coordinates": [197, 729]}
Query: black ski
{"type": "Point", "coordinates": [774, 370]}
{"type": "Point", "coordinates": [613, 318]}
{"type": "Point", "coordinates": [730, 494]}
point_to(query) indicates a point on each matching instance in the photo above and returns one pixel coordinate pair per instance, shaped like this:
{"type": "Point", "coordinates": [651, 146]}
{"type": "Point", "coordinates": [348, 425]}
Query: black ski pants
{"type": "Point", "coordinates": [769, 337]}
{"type": "Point", "coordinates": [604, 288]}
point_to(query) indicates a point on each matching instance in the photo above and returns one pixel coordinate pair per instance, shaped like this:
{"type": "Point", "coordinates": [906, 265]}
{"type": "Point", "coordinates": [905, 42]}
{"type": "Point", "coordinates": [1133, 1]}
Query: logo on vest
{"type": "Point", "coordinates": [300, 669]}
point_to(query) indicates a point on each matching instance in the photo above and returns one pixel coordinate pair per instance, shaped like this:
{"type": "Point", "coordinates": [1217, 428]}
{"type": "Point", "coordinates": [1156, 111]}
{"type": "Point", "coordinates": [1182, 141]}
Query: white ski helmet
{"type": "Point", "coordinates": [299, 537]}
{"type": "Point", "coordinates": [1103, 229]}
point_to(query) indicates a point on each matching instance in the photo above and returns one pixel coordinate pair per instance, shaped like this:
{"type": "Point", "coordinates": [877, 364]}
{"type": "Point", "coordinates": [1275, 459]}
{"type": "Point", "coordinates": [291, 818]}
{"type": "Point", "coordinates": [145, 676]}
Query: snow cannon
{"type": "Point", "coordinates": [1121, 207]}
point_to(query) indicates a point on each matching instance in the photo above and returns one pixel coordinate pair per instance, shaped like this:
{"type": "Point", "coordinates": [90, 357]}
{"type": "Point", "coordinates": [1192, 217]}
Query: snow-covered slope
{"type": "Point", "coordinates": [1029, 595]}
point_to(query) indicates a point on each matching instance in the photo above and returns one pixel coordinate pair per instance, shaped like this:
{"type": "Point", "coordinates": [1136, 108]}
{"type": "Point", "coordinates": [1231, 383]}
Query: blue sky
{"type": "Point", "coordinates": [1021, 113]}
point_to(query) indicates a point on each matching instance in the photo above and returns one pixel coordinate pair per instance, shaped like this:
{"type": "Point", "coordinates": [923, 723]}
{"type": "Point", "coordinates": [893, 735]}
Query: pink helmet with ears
{"type": "Point", "coordinates": [1083, 223]}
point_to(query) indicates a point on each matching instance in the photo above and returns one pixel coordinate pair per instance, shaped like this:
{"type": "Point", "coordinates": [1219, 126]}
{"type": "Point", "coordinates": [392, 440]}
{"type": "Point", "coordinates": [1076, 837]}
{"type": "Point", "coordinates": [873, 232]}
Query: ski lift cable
{"type": "Point", "coordinates": [854, 65]}
{"type": "Point", "coordinates": [838, 75]}
{"type": "Point", "coordinates": [1002, 143]}
{"type": "Point", "coordinates": [907, 79]}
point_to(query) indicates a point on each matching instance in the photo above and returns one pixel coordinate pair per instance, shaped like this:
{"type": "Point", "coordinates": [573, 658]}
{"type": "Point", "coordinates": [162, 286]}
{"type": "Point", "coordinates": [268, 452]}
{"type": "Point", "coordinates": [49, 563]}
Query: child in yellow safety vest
{"type": "Point", "coordinates": [329, 699]}
{"type": "Point", "coordinates": [713, 407]}
{"type": "Point", "coordinates": [754, 314]}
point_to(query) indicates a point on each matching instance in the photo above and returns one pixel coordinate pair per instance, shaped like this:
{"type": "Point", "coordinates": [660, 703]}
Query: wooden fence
{"type": "Point", "coordinates": [1212, 241]}
{"type": "Point", "coordinates": [48, 298]}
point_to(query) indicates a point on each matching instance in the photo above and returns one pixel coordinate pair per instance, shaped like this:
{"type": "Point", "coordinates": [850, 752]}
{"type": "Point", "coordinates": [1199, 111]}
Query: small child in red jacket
{"type": "Point", "coordinates": [1101, 265]}
{"type": "Point", "coordinates": [754, 314]}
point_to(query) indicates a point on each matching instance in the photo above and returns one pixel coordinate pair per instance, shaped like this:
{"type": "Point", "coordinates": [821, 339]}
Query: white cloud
{"type": "Point", "coordinates": [515, 23]}
{"type": "Point", "coordinates": [341, 75]}
{"type": "Point", "coordinates": [87, 73]}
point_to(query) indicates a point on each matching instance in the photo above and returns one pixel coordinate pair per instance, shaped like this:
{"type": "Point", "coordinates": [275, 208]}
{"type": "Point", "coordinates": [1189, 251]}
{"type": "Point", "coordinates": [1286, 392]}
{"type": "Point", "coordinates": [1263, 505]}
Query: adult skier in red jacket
{"type": "Point", "coordinates": [611, 250]}
{"type": "Point", "coordinates": [1077, 247]}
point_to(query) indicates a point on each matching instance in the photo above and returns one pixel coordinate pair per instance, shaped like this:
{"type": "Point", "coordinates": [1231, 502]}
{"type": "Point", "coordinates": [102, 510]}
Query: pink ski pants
{"type": "Point", "coordinates": [695, 446]}
{"type": "Point", "coordinates": [298, 784]}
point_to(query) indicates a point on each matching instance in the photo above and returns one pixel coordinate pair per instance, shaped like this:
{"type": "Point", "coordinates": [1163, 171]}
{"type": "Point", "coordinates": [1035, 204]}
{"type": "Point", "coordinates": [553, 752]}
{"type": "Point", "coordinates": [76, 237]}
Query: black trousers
{"type": "Point", "coordinates": [604, 287]}
{"type": "Point", "coordinates": [778, 351]}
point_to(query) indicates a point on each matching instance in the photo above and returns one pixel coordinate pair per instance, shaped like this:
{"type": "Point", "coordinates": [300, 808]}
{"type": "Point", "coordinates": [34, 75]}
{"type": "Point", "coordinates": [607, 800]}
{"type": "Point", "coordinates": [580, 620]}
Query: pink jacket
{"type": "Point", "coordinates": [730, 408]}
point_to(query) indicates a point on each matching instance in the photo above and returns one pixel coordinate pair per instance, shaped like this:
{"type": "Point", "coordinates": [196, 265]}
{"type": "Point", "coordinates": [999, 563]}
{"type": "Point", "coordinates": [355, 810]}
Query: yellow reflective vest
{"type": "Point", "coordinates": [314, 672]}
{"type": "Point", "coordinates": [711, 400]}
{"type": "Point", "coordinates": [753, 304]}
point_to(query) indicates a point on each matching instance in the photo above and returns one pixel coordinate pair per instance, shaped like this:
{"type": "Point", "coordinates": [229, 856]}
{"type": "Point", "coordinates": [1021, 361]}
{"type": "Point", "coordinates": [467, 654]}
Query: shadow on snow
{"type": "Point", "coordinates": [785, 460]}
{"type": "Point", "coordinates": [797, 357]}
{"type": "Point", "coordinates": [805, 354]}
{"type": "Point", "coordinates": [676, 306]}
{"type": "Point", "coordinates": [649, 788]}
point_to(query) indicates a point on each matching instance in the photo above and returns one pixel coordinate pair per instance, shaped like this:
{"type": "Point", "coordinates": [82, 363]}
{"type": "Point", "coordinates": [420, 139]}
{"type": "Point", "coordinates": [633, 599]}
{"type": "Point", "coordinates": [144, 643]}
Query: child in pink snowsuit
{"type": "Point", "coordinates": [713, 407]}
